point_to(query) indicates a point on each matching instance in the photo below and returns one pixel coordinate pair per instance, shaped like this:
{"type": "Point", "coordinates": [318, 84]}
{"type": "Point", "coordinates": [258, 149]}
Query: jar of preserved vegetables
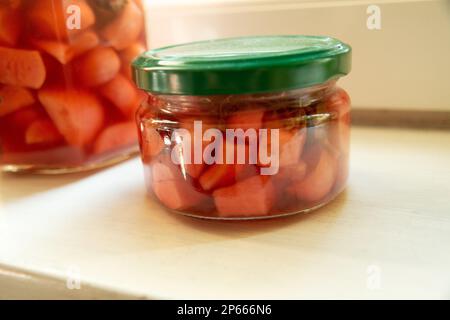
{"type": "Point", "coordinates": [245, 128]}
{"type": "Point", "coordinates": [67, 100]}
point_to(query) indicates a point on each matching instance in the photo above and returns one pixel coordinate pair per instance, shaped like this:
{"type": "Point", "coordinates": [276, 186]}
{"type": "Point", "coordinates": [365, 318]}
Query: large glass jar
{"type": "Point", "coordinates": [245, 128]}
{"type": "Point", "coordinates": [67, 100]}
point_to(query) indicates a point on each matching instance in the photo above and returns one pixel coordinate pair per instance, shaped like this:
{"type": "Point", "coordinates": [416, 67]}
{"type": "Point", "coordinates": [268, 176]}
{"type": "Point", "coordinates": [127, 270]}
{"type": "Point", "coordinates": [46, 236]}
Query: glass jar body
{"type": "Point", "coordinates": [246, 156]}
{"type": "Point", "coordinates": [67, 98]}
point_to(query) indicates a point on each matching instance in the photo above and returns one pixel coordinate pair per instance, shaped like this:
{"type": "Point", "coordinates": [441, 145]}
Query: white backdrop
{"type": "Point", "coordinates": [404, 65]}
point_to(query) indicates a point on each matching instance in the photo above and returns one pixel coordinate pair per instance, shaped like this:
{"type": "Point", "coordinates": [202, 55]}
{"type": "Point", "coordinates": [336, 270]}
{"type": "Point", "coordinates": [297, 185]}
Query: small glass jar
{"type": "Point", "coordinates": [67, 99]}
{"type": "Point", "coordinates": [245, 128]}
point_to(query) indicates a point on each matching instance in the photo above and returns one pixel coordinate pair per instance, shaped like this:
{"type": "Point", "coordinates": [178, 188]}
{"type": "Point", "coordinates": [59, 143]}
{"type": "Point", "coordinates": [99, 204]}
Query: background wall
{"type": "Point", "coordinates": [404, 65]}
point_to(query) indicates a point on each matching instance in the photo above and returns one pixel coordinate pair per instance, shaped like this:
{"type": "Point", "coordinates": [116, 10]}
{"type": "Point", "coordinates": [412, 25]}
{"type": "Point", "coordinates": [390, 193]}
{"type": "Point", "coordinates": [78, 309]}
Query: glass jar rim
{"type": "Point", "coordinates": [242, 65]}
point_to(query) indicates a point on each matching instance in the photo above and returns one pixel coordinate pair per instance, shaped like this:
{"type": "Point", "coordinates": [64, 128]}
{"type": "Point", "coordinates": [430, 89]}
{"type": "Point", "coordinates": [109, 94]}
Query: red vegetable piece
{"type": "Point", "coordinates": [115, 137]}
{"type": "Point", "coordinates": [244, 171]}
{"type": "Point", "coordinates": [318, 182]}
{"type": "Point", "coordinates": [290, 147]}
{"type": "Point", "coordinates": [254, 196]}
{"type": "Point", "coordinates": [126, 28]}
{"type": "Point", "coordinates": [222, 175]}
{"type": "Point", "coordinates": [195, 169]}
{"type": "Point", "coordinates": [338, 102]}
{"type": "Point", "coordinates": [128, 55]}
{"type": "Point", "coordinates": [23, 68]}
{"type": "Point", "coordinates": [339, 128]}
{"type": "Point", "coordinates": [58, 19]}
{"type": "Point", "coordinates": [14, 98]}
{"type": "Point", "coordinates": [217, 176]}
{"type": "Point", "coordinates": [64, 52]}
{"type": "Point", "coordinates": [12, 4]}
{"type": "Point", "coordinates": [151, 142]}
{"type": "Point", "coordinates": [246, 119]}
{"type": "Point", "coordinates": [77, 114]}
{"type": "Point", "coordinates": [22, 118]}
{"type": "Point", "coordinates": [339, 135]}
{"type": "Point", "coordinates": [97, 66]}
{"type": "Point", "coordinates": [122, 93]}
{"type": "Point", "coordinates": [163, 169]}
{"type": "Point", "coordinates": [170, 187]}
{"type": "Point", "coordinates": [10, 26]}
{"type": "Point", "coordinates": [291, 174]}
{"type": "Point", "coordinates": [177, 194]}
{"type": "Point", "coordinates": [42, 131]}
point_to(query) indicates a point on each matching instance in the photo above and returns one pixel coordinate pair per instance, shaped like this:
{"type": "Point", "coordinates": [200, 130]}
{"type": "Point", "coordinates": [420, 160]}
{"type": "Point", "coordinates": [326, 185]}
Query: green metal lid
{"type": "Point", "coordinates": [242, 65]}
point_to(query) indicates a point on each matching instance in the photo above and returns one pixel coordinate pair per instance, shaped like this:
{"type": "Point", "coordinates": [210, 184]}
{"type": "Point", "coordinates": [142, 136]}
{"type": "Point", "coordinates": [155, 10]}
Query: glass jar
{"type": "Point", "coordinates": [67, 100]}
{"type": "Point", "coordinates": [245, 128]}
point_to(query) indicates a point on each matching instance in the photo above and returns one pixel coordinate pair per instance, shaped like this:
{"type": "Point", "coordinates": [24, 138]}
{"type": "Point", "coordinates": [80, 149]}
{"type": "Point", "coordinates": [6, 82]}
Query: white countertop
{"type": "Point", "coordinates": [387, 236]}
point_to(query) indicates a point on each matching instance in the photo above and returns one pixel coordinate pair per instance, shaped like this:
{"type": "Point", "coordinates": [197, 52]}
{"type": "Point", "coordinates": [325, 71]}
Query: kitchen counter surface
{"type": "Point", "coordinates": [97, 236]}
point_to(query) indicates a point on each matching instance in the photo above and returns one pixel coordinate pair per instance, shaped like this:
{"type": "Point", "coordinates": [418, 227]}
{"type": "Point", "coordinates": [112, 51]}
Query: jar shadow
{"type": "Point", "coordinates": [153, 227]}
{"type": "Point", "coordinates": [243, 228]}
{"type": "Point", "coordinates": [15, 186]}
